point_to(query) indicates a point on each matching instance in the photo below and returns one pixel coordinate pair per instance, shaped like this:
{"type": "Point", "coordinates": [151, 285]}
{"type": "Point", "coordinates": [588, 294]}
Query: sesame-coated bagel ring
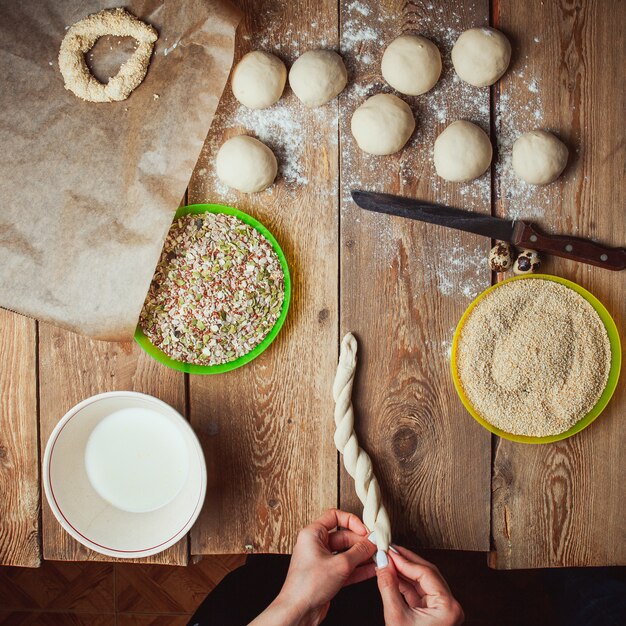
{"type": "Point", "coordinates": [81, 37]}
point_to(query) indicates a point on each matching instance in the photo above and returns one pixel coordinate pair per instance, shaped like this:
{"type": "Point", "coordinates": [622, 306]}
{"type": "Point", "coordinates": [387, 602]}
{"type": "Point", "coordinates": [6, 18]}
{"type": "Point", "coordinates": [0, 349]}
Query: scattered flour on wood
{"type": "Point", "coordinates": [359, 8]}
{"type": "Point", "coordinates": [281, 128]}
{"type": "Point", "coordinates": [455, 269]}
{"type": "Point", "coordinates": [293, 132]}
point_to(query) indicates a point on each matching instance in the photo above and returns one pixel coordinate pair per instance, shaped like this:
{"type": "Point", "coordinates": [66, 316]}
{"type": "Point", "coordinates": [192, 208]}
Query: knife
{"type": "Point", "coordinates": [520, 234]}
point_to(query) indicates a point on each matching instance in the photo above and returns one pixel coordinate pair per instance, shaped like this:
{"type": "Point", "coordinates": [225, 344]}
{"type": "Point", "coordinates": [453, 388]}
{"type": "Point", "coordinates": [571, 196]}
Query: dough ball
{"type": "Point", "coordinates": [411, 64]}
{"type": "Point", "coordinates": [481, 55]}
{"type": "Point", "coordinates": [501, 257]}
{"type": "Point", "coordinates": [539, 157]}
{"type": "Point", "coordinates": [246, 164]}
{"type": "Point", "coordinates": [259, 79]}
{"type": "Point", "coordinates": [317, 77]}
{"type": "Point", "coordinates": [462, 152]}
{"type": "Point", "coordinates": [527, 262]}
{"type": "Point", "coordinates": [382, 124]}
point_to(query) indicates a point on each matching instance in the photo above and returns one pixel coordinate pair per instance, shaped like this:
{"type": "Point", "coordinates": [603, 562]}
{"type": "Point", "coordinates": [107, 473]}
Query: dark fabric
{"type": "Point", "coordinates": [587, 596]}
{"type": "Point", "coordinates": [579, 596]}
{"type": "Point", "coordinates": [247, 591]}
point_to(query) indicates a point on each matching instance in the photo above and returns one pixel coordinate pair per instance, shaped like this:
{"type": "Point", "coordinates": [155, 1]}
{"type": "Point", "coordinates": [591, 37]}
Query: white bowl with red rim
{"type": "Point", "coordinates": [124, 474]}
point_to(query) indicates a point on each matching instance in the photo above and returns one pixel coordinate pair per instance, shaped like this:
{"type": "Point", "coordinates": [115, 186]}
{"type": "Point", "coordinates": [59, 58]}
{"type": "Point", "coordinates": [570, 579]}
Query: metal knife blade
{"type": "Point", "coordinates": [493, 227]}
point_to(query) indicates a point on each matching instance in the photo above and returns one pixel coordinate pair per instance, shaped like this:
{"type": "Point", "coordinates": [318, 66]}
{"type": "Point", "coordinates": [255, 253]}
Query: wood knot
{"type": "Point", "coordinates": [323, 315]}
{"type": "Point", "coordinates": [350, 243]}
{"type": "Point", "coordinates": [404, 443]}
{"type": "Point", "coordinates": [3, 452]}
{"type": "Point", "coordinates": [272, 503]}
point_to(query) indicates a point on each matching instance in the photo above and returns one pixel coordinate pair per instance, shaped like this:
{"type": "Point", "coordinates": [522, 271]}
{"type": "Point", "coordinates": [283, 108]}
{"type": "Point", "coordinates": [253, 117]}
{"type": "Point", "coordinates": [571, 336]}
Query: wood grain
{"type": "Point", "coordinates": [562, 504]}
{"type": "Point", "coordinates": [404, 286]}
{"type": "Point", "coordinates": [72, 368]}
{"type": "Point", "coordinates": [267, 428]}
{"type": "Point", "coordinates": [19, 470]}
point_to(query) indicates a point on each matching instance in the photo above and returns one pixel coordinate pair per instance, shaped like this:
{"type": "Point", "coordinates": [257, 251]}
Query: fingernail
{"type": "Point", "coordinates": [381, 559]}
{"type": "Point", "coordinates": [393, 550]}
{"type": "Point", "coordinates": [372, 537]}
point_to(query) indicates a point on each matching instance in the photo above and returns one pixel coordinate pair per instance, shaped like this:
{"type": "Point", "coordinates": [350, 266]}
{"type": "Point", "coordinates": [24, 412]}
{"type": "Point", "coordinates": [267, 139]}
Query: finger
{"type": "Point", "coordinates": [402, 554]}
{"type": "Point", "coordinates": [334, 517]}
{"type": "Point", "coordinates": [315, 531]}
{"type": "Point", "coordinates": [342, 540]}
{"type": "Point", "coordinates": [358, 554]}
{"type": "Point", "coordinates": [393, 601]}
{"type": "Point", "coordinates": [411, 556]}
{"type": "Point", "coordinates": [361, 573]}
{"type": "Point", "coordinates": [410, 592]}
{"type": "Point", "coordinates": [429, 579]}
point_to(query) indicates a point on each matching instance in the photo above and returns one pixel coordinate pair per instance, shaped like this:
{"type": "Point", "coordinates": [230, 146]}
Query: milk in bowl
{"type": "Point", "coordinates": [137, 460]}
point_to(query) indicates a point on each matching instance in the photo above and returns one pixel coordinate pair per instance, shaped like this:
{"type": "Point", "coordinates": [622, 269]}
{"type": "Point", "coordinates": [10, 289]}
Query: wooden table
{"type": "Point", "coordinates": [401, 287]}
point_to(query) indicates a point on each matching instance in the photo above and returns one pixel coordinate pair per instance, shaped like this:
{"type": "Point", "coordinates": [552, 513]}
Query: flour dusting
{"type": "Point", "coordinates": [513, 117]}
{"type": "Point", "coordinates": [456, 270]}
{"type": "Point", "coordinates": [453, 269]}
{"type": "Point", "coordinates": [294, 133]}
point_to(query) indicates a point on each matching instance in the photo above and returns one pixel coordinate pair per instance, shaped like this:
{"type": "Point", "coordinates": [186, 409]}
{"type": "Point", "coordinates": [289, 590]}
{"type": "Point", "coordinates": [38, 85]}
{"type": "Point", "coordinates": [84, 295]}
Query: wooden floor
{"type": "Point", "coordinates": [73, 594]}
{"type": "Point", "coordinates": [401, 287]}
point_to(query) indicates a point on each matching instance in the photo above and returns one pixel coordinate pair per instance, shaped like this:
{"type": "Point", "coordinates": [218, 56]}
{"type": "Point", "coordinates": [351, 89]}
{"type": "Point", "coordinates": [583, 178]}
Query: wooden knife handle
{"type": "Point", "coordinates": [526, 235]}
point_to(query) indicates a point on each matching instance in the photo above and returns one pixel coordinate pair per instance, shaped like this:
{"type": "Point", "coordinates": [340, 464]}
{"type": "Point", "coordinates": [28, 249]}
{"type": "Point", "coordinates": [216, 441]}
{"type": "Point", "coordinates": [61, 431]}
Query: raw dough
{"type": "Point", "coordinates": [246, 164]}
{"type": "Point", "coordinates": [382, 124]}
{"type": "Point", "coordinates": [259, 79]}
{"type": "Point", "coordinates": [356, 461]}
{"type": "Point", "coordinates": [82, 36]}
{"type": "Point", "coordinates": [539, 157]}
{"type": "Point", "coordinates": [411, 64]}
{"type": "Point", "coordinates": [462, 152]}
{"type": "Point", "coordinates": [317, 77]}
{"type": "Point", "coordinates": [481, 55]}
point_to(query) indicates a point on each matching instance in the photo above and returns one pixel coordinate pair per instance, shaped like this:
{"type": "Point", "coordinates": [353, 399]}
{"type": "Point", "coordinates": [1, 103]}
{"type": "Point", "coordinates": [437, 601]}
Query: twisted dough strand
{"type": "Point", "coordinates": [356, 461]}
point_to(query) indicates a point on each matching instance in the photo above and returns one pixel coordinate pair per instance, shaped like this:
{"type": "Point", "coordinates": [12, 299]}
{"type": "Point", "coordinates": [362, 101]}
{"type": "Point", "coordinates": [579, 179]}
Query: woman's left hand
{"type": "Point", "coordinates": [324, 560]}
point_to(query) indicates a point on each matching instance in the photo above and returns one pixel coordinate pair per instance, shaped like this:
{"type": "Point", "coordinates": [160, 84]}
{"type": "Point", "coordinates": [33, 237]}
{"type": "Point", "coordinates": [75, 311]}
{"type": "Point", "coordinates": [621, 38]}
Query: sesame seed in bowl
{"type": "Point", "coordinates": [535, 358]}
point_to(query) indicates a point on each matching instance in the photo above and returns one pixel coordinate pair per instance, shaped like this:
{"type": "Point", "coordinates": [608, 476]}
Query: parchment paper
{"type": "Point", "coordinates": [89, 190]}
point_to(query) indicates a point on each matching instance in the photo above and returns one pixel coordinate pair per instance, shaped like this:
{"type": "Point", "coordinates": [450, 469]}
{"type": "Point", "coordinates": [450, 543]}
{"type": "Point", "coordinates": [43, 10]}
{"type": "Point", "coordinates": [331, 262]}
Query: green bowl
{"type": "Point", "coordinates": [192, 368]}
{"type": "Point", "coordinates": [611, 383]}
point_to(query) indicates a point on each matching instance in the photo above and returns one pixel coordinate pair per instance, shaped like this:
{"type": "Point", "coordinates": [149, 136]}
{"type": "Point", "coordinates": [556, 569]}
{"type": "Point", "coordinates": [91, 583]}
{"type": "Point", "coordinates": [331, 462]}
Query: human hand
{"type": "Point", "coordinates": [316, 574]}
{"type": "Point", "coordinates": [324, 560]}
{"type": "Point", "coordinates": [414, 593]}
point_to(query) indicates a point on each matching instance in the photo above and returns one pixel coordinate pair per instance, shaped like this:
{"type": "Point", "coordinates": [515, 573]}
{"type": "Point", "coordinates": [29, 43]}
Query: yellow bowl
{"type": "Point", "coordinates": [616, 362]}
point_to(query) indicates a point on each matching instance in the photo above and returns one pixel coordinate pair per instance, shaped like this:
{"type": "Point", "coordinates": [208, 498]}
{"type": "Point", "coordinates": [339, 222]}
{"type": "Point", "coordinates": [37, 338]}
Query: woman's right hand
{"type": "Point", "coordinates": [414, 593]}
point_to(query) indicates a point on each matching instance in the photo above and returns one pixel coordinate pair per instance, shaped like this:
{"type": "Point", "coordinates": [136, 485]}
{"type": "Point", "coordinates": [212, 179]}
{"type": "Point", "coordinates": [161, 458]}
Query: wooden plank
{"type": "Point", "coordinates": [405, 285]}
{"type": "Point", "coordinates": [562, 504]}
{"type": "Point", "coordinates": [72, 368]}
{"type": "Point", "coordinates": [19, 471]}
{"type": "Point", "coordinates": [267, 428]}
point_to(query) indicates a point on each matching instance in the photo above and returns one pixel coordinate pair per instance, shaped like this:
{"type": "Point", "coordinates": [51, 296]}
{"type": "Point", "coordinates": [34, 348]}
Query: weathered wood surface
{"type": "Point", "coordinates": [72, 368]}
{"type": "Point", "coordinates": [563, 504]}
{"type": "Point", "coordinates": [19, 470]}
{"type": "Point", "coordinates": [267, 428]}
{"type": "Point", "coordinates": [404, 285]}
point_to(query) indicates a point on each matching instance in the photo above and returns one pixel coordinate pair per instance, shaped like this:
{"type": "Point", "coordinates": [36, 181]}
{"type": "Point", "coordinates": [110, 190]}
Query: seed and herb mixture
{"type": "Point", "coordinates": [533, 357]}
{"type": "Point", "coordinates": [217, 291]}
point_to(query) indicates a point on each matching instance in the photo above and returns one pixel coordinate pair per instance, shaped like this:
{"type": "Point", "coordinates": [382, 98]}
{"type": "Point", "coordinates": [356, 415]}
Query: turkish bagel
{"type": "Point", "coordinates": [82, 36]}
